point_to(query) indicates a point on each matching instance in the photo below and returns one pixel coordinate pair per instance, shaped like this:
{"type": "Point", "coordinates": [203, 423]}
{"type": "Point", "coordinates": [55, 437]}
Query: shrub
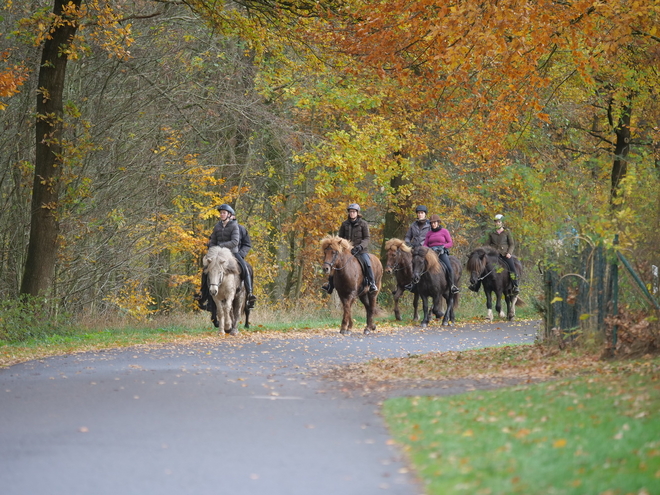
{"type": "Point", "coordinates": [29, 317]}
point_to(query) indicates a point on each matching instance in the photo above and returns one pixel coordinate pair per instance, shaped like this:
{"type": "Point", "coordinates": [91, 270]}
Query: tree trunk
{"type": "Point", "coordinates": [44, 226]}
{"type": "Point", "coordinates": [394, 226]}
{"type": "Point", "coordinates": [621, 150]}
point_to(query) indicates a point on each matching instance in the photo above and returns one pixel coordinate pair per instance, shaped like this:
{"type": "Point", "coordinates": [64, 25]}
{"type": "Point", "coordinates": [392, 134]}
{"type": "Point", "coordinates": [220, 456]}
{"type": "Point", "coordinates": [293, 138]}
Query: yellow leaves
{"type": "Point", "coordinates": [559, 444]}
{"type": "Point", "coordinates": [133, 299]}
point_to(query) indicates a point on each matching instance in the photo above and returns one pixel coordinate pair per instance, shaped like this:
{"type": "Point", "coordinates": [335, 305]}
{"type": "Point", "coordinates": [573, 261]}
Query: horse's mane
{"type": "Point", "coordinates": [337, 243]}
{"type": "Point", "coordinates": [432, 262]}
{"type": "Point", "coordinates": [394, 244]}
{"type": "Point", "coordinates": [216, 255]}
{"type": "Point", "coordinates": [478, 258]}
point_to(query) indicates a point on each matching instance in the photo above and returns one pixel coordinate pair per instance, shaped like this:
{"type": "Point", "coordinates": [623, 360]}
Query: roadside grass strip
{"type": "Point", "coordinates": [588, 435]}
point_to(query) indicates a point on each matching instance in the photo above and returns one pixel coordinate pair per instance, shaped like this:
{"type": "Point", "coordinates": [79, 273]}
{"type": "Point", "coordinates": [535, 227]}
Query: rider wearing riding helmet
{"type": "Point", "coordinates": [356, 230]}
{"type": "Point", "coordinates": [439, 239]}
{"type": "Point", "coordinates": [418, 229]}
{"type": "Point", "coordinates": [501, 240]}
{"type": "Point", "coordinates": [226, 233]}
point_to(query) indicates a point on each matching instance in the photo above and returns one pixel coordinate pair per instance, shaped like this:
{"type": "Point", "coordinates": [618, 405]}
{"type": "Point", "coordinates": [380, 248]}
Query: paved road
{"type": "Point", "coordinates": [226, 416]}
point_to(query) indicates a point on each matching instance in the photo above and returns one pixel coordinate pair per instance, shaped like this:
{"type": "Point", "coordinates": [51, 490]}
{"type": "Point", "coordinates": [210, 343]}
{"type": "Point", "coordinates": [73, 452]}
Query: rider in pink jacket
{"type": "Point", "coordinates": [439, 240]}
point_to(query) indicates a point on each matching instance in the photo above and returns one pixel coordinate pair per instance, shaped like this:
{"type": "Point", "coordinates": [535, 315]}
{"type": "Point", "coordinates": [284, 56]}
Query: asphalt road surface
{"type": "Point", "coordinates": [224, 416]}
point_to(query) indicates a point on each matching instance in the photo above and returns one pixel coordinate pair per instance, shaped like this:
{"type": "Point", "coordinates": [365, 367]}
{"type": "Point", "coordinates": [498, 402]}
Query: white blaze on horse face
{"type": "Point", "coordinates": [215, 277]}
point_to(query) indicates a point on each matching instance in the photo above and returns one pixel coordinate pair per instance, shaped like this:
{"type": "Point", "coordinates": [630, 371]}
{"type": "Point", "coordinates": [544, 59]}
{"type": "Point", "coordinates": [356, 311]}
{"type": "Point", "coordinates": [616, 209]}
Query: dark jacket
{"type": "Point", "coordinates": [226, 236]}
{"type": "Point", "coordinates": [357, 232]}
{"type": "Point", "coordinates": [245, 244]}
{"type": "Point", "coordinates": [417, 233]}
{"type": "Point", "coordinates": [502, 242]}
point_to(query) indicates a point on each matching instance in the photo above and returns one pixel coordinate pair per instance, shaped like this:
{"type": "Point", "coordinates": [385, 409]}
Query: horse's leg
{"type": "Point", "coordinates": [489, 304]}
{"type": "Point", "coordinates": [425, 310]}
{"type": "Point", "coordinates": [448, 319]}
{"type": "Point", "coordinates": [498, 304]}
{"type": "Point", "coordinates": [347, 320]}
{"type": "Point", "coordinates": [369, 301]}
{"type": "Point", "coordinates": [397, 295]}
{"type": "Point", "coordinates": [214, 312]}
{"type": "Point", "coordinates": [511, 307]}
{"type": "Point", "coordinates": [247, 317]}
{"type": "Point", "coordinates": [415, 306]}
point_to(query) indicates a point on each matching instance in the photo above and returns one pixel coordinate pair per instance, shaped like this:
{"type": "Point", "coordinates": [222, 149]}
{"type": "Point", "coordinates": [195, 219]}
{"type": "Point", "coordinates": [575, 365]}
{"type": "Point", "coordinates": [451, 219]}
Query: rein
{"type": "Point", "coordinates": [331, 264]}
{"type": "Point", "coordinates": [481, 278]}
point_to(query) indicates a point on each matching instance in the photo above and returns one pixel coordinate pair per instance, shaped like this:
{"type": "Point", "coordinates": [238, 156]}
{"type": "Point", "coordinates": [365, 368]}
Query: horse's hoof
{"type": "Point", "coordinates": [424, 324]}
{"type": "Point", "coordinates": [345, 332]}
{"type": "Point", "coordinates": [367, 331]}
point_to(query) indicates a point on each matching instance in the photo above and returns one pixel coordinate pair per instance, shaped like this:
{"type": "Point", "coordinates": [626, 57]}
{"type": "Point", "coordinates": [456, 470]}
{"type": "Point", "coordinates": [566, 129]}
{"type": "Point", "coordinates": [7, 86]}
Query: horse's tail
{"type": "Point", "coordinates": [520, 302]}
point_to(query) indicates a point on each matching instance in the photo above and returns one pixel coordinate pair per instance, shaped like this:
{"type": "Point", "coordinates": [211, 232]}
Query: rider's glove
{"type": "Point", "coordinates": [356, 250]}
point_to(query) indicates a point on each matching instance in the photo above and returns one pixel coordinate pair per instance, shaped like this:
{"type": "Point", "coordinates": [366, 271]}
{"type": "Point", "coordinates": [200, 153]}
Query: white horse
{"type": "Point", "coordinates": [225, 287]}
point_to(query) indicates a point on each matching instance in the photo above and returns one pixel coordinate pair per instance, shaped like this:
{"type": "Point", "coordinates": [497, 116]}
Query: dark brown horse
{"type": "Point", "coordinates": [488, 269]}
{"type": "Point", "coordinates": [399, 262]}
{"type": "Point", "coordinates": [431, 278]}
{"type": "Point", "coordinates": [348, 280]}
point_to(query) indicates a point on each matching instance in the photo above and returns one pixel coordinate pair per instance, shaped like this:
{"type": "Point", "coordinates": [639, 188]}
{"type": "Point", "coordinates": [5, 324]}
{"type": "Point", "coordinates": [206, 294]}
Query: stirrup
{"type": "Point", "coordinates": [373, 287]}
{"type": "Point", "coordinates": [409, 287]}
{"type": "Point", "coordinates": [326, 288]}
{"type": "Point", "coordinates": [455, 290]}
{"type": "Point", "coordinates": [515, 290]}
{"type": "Point", "coordinates": [251, 299]}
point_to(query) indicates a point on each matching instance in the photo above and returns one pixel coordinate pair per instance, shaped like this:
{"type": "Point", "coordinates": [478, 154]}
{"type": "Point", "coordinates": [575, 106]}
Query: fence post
{"type": "Point", "coordinates": [615, 290]}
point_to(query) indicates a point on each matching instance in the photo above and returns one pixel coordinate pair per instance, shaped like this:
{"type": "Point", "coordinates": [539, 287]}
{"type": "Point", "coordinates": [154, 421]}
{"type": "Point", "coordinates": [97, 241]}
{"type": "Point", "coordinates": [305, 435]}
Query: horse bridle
{"type": "Point", "coordinates": [396, 266]}
{"type": "Point", "coordinates": [331, 264]}
{"type": "Point", "coordinates": [481, 278]}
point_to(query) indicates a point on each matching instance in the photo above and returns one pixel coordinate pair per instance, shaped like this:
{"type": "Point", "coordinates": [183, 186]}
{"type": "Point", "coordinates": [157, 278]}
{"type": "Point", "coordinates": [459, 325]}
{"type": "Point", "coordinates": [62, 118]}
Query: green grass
{"type": "Point", "coordinates": [591, 435]}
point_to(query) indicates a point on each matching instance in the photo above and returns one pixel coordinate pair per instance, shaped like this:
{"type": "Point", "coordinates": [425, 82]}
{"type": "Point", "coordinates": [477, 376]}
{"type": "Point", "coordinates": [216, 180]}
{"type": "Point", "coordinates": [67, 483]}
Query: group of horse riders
{"type": "Point", "coordinates": [422, 232]}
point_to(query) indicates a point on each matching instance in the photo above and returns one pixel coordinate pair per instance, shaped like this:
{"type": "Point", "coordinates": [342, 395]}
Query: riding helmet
{"type": "Point", "coordinates": [353, 206]}
{"type": "Point", "coordinates": [498, 217]}
{"type": "Point", "coordinates": [422, 208]}
{"type": "Point", "coordinates": [226, 207]}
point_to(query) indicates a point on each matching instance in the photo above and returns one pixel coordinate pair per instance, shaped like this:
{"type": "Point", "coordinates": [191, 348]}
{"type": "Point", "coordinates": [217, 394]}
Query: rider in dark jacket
{"type": "Point", "coordinates": [418, 229]}
{"type": "Point", "coordinates": [356, 230]}
{"type": "Point", "coordinates": [501, 239]}
{"type": "Point", "coordinates": [226, 233]}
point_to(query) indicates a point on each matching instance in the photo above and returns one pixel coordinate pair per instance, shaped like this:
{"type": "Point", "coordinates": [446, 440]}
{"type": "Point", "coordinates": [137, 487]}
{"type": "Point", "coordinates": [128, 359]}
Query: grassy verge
{"type": "Point", "coordinates": [596, 435]}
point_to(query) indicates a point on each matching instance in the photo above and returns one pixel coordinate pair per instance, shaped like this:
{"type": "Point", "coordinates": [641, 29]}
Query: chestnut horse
{"type": "Point", "coordinates": [225, 287]}
{"type": "Point", "coordinates": [399, 262]}
{"type": "Point", "coordinates": [348, 280]}
{"type": "Point", "coordinates": [487, 269]}
{"type": "Point", "coordinates": [431, 278]}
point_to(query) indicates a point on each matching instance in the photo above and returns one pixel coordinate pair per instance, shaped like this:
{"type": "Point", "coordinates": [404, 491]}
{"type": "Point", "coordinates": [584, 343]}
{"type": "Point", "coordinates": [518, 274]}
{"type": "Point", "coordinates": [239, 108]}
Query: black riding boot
{"type": "Point", "coordinates": [329, 286]}
{"type": "Point", "coordinates": [246, 277]}
{"type": "Point", "coordinates": [369, 275]}
{"type": "Point", "coordinates": [202, 297]}
{"type": "Point", "coordinates": [444, 259]}
{"type": "Point", "coordinates": [514, 283]}
{"type": "Point", "coordinates": [512, 275]}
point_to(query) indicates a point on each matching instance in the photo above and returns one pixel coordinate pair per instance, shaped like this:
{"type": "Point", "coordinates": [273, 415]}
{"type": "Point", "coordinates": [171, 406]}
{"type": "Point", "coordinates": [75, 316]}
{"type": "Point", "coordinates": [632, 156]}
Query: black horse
{"type": "Point", "coordinates": [430, 276]}
{"type": "Point", "coordinates": [488, 269]}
